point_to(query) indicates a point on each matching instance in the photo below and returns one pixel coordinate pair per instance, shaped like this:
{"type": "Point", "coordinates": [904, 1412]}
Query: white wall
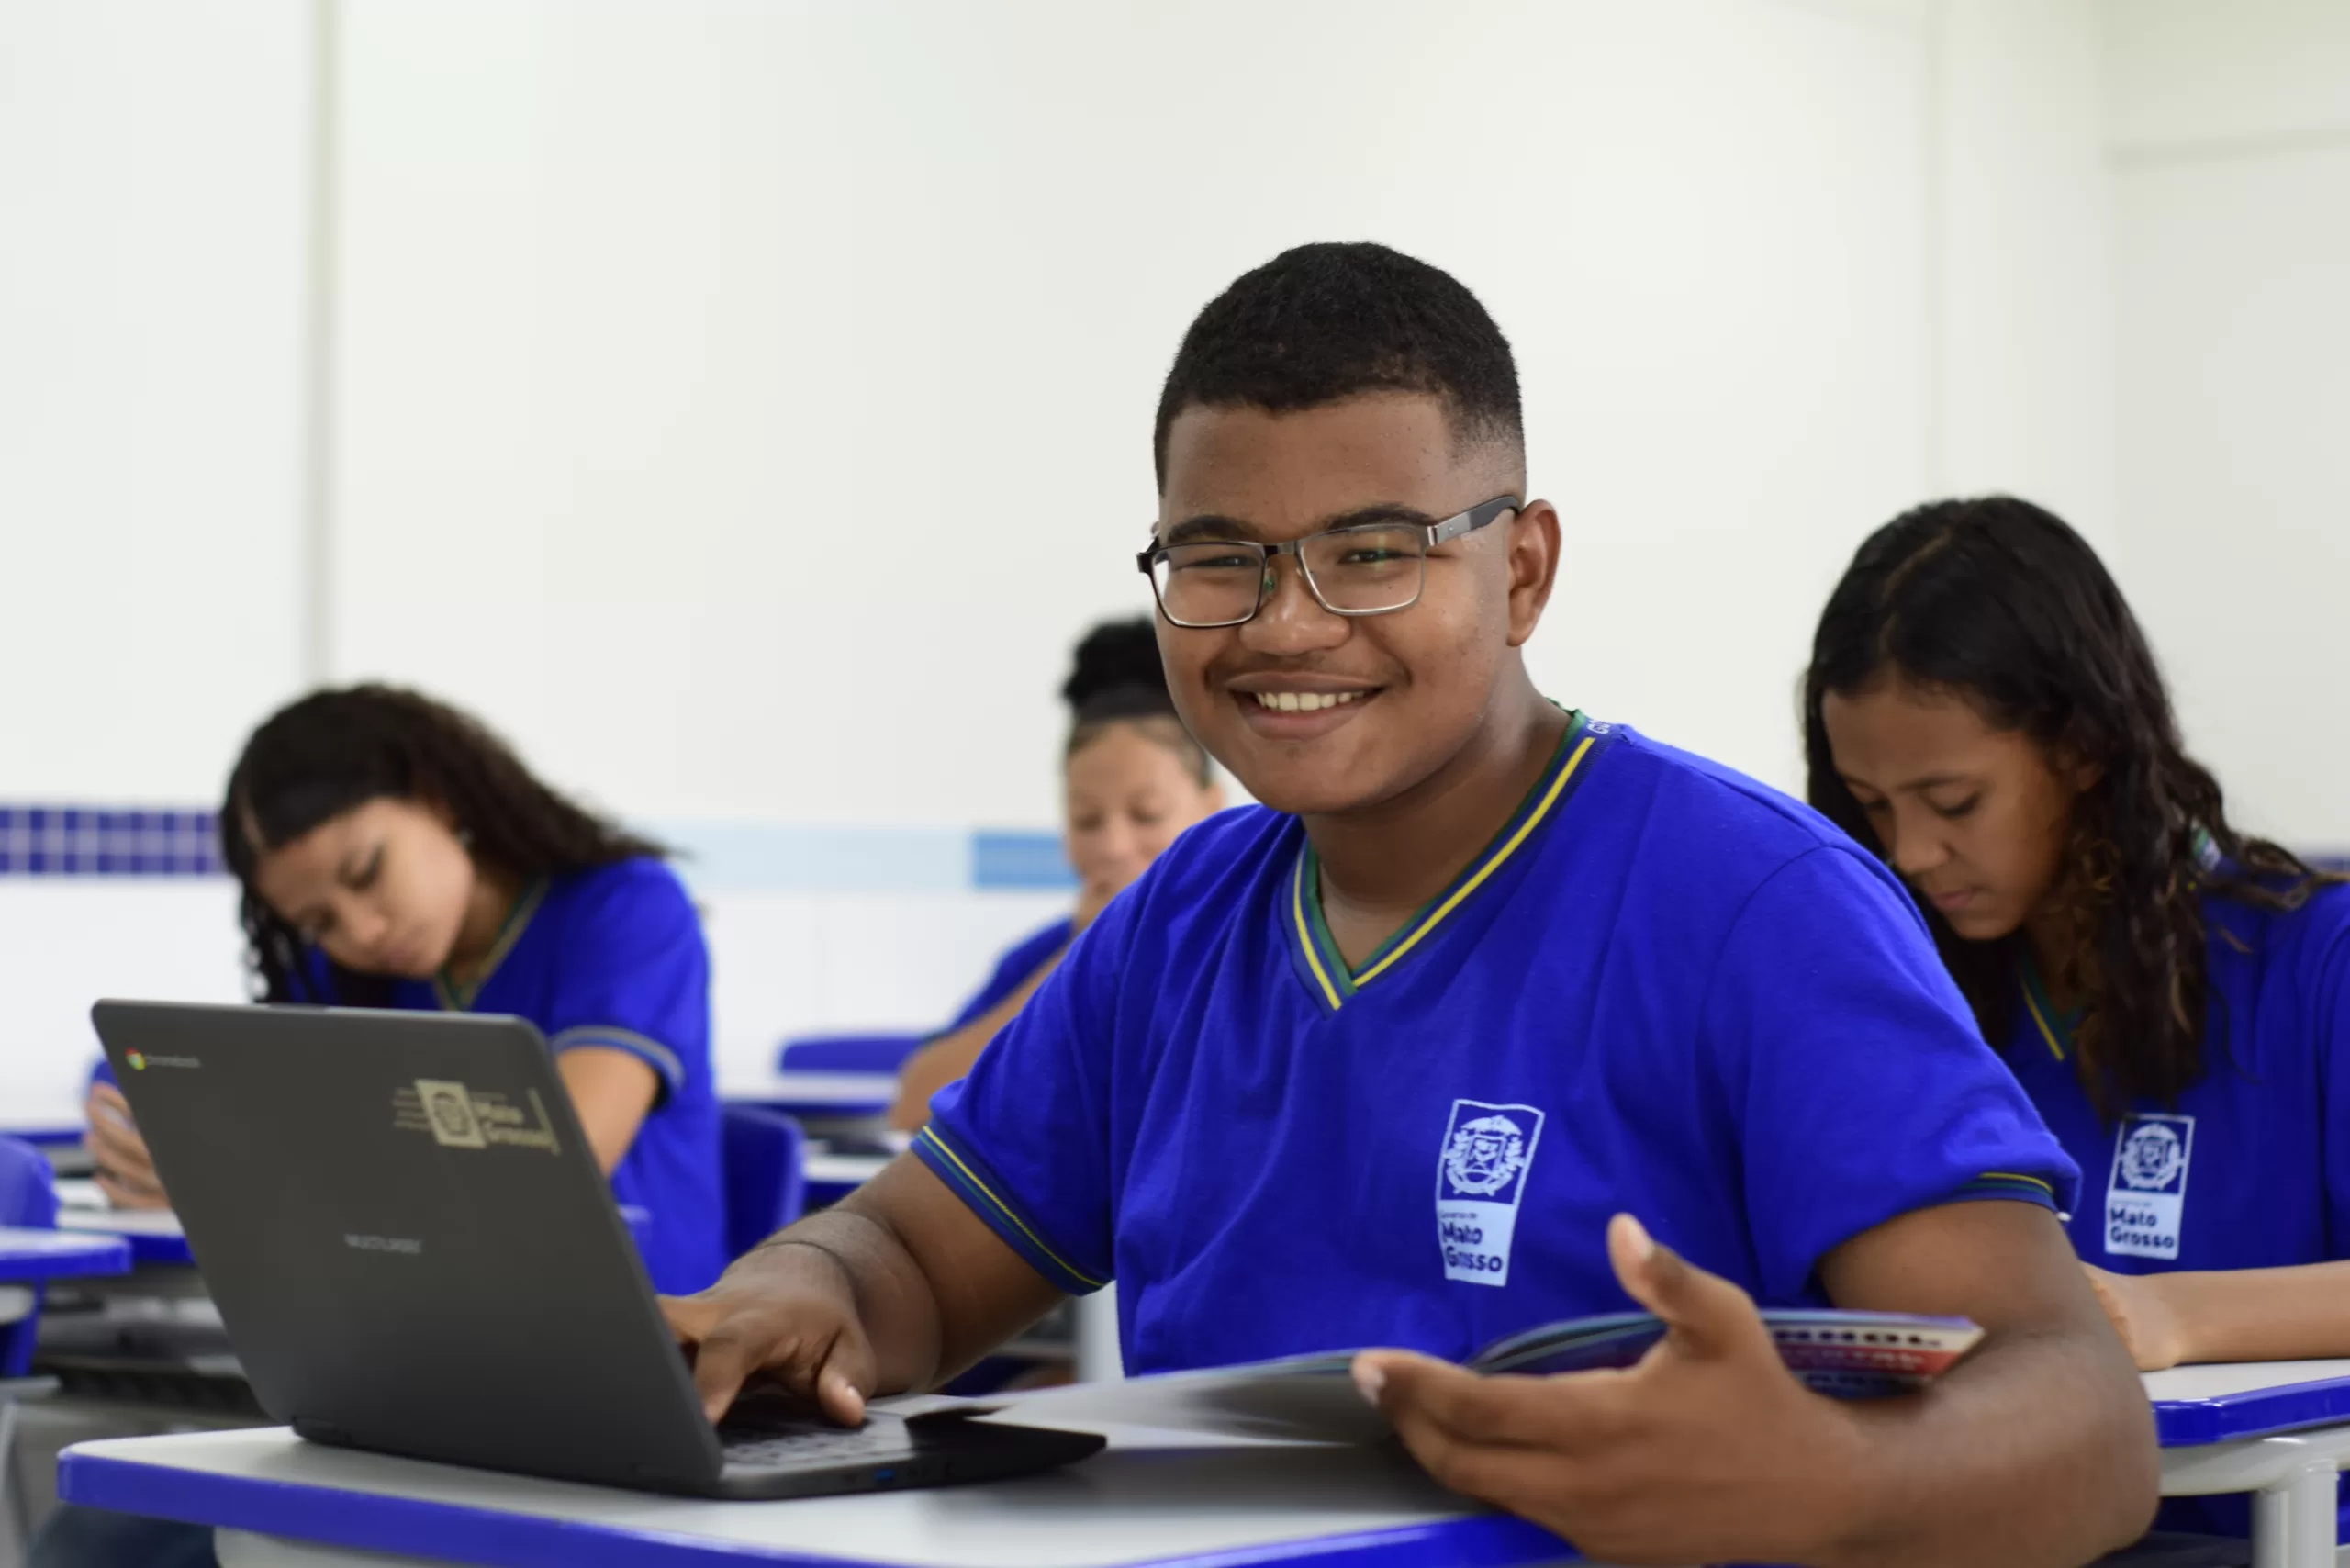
{"type": "Point", "coordinates": [2024, 276]}
{"type": "Point", "coordinates": [154, 235]}
{"type": "Point", "coordinates": [2230, 137]}
{"type": "Point", "coordinates": [692, 359]}
{"type": "Point", "coordinates": [680, 350]}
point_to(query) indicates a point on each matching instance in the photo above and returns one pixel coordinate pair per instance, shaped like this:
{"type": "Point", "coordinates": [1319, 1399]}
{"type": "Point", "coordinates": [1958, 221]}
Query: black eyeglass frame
{"type": "Point", "coordinates": [1442, 532]}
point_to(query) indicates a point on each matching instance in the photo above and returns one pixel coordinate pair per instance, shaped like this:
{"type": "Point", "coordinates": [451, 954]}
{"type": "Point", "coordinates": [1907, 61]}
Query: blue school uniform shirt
{"type": "Point", "coordinates": [1011, 972]}
{"type": "Point", "coordinates": [612, 957]}
{"type": "Point", "coordinates": [1661, 988]}
{"type": "Point", "coordinates": [2241, 1173]}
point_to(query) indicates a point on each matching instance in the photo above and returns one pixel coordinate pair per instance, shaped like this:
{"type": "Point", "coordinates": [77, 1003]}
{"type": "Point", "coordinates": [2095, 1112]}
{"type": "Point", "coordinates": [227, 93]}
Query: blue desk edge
{"type": "Point", "coordinates": [455, 1533]}
{"type": "Point", "coordinates": [28, 1256]}
{"type": "Point", "coordinates": [173, 1252]}
{"type": "Point", "coordinates": [2256, 1413]}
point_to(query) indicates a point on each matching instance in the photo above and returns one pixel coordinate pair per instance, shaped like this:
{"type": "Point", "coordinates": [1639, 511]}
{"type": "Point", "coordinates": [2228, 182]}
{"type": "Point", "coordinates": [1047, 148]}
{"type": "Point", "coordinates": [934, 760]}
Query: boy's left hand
{"type": "Point", "coordinates": [1707, 1450]}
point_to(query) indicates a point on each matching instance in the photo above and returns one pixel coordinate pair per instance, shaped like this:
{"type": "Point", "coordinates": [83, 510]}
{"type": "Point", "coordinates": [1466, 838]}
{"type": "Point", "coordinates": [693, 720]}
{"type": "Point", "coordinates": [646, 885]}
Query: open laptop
{"type": "Point", "coordinates": [414, 1253]}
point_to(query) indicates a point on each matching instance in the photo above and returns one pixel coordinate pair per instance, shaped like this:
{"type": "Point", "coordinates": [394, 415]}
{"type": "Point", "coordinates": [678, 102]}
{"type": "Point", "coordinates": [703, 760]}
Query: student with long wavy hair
{"type": "Point", "coordinates": [392, 852]}
{"type": "Point", "coordinates": [1983, 711]}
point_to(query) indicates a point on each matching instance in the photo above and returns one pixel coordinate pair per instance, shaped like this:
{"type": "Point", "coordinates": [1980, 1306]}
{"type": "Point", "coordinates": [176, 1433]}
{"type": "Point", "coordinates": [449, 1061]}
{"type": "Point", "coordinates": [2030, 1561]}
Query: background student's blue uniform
{"type": "Point", "coordinates": [1011, 972]}
{"type": "Point", "coordinates": [1662, 988]}
{"type": "Point", "coordinates": [2250, 1167]}
{"type": "Point", "coordinates": [613, 955]}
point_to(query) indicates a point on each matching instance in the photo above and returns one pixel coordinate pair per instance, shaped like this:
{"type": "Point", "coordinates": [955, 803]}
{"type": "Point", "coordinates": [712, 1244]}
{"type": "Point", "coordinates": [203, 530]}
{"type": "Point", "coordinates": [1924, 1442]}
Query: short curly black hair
{"type": "Point", "coordinates": [1322, 322]}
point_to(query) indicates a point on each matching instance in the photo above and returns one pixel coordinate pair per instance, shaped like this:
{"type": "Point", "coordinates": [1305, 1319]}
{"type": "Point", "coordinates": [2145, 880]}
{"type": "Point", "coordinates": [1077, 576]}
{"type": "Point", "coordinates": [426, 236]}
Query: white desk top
{"type": "Point", "coordinates": [2237, 1377]}
{"type": "Point", "coordinates": [1145, 1502]}
{"type": "Point", "coordinates": [1154, 1498]}
{"type": "Point", "coordinates": [155, 1236]}
{"type": "Point", "coordinates": [871, 1092]}
{"type": "Point", "coordinates": [2250, 1399]}
{"type": "Point", "coordinates": [122, 1222]}
{"type": "Point", "coordinates": [842, 1170]}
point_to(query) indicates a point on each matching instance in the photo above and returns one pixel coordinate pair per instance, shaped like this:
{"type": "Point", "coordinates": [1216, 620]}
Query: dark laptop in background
{"type": "Point", "coordinates": [414, 1253]}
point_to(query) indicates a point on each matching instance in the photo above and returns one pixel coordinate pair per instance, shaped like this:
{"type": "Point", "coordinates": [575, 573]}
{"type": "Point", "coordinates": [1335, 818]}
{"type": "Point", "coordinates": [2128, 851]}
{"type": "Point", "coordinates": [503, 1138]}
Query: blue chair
{"type": "Point", "coordinates": [846, 1053]}
{"type": "Point", "coordinates": [28, 1199]}
{"type": "Point", "coordinates": [766, 1188]}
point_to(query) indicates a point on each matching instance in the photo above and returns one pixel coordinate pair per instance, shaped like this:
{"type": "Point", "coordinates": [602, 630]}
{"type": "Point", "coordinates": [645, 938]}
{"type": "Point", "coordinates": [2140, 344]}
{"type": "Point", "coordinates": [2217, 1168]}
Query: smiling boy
{"type": "Point", "coordinates": [1394, 1057]}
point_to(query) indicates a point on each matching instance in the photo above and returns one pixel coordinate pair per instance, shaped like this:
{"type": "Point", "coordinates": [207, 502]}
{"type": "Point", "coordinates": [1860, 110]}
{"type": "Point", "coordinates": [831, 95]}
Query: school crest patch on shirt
{"type": "Point", "coordinates": [2146, 1197]}
{"type": "Point", "coordinates": [1481, 1176]}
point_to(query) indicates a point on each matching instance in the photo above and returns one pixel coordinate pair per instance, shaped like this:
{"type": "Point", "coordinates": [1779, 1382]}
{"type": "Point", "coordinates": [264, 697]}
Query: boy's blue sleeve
{"type": "Point", "coordinates": [1856, 1073]}
{"type": "Point", "coordinates": [1024, 1141]}
{"type": "Point", "coordinates": [2329, 1013]}
{"type": "Point", "coordinates": [636, 977]}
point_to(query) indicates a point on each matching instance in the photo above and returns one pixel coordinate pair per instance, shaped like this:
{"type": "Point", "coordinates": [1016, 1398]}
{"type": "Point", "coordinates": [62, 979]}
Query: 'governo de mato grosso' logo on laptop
{"type": "Point", "coordinates": [450, 1109]}
{"type": "Point", "coordinates": [459, 1116]}
{"type": "Point", "coordinates": [140, 1061]}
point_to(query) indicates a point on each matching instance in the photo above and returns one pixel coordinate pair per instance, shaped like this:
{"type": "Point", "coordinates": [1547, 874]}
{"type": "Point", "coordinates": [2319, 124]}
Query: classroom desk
{"type": "Point", "coordinates": [832, 1177]}
{"type": "Point", "coordinates": [28, 1257]}
{"type": "Point", "coordinates": [46, 1127]}
{"type": "Point", "coordinates": [56, 1130]}
{"type": "Point", "coordinates": [819, 1097]}
{"type": "Point", "coordinates": [2279, 1430]}
{"type": "Point", "coordinates": [153, 1236]}
{"type": "Point", "coordinates": [276, 1500]}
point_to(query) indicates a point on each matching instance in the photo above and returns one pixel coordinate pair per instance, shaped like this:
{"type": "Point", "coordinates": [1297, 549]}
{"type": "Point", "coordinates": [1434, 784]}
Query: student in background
{"type": "Point", "coordinates": [1132, 779]}
{"type": "Point", "coordinates": [392, 852]}
{"type": "Point", "coordinates": [1983, 711]}
{"type": "Point", "coordinates": [1391, 1060]}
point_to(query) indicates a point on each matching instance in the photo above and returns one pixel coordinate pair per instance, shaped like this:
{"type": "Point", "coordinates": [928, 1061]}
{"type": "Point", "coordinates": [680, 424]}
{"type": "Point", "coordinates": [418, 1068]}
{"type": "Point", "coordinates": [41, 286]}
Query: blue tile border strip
{"type": "Point", "coordinates": [1020, 860]}
{"type": "Point", "coordinates": [86, 841]}
{"type": "Point", "coordinates": [104, 841]}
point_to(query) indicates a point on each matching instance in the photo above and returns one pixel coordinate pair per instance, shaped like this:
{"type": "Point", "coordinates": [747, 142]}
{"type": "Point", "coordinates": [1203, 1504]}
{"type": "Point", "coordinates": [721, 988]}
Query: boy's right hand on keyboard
{"type": "Point", "coordinates": [785, 1313]}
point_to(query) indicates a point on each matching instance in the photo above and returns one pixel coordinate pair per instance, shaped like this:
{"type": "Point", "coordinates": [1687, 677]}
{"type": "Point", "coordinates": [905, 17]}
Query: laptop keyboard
{"type": "Point", "coordinates": [815, 1443]}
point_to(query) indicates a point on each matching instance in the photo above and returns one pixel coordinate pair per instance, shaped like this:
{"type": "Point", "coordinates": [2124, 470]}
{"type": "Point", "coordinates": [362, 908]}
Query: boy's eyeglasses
{"type": "Point", "coordinates": [1371, 568]}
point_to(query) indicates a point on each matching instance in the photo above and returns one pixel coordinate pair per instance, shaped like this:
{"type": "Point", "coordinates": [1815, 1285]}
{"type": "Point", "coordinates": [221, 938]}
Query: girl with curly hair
{"type": "Point", "coordinates": [393, 852]}
{"type": "Point", "coordinates": [1983, 712]}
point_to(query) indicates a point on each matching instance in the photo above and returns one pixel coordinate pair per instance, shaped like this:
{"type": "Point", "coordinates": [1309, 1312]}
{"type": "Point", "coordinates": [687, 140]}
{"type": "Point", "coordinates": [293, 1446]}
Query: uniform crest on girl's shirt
{"type": "Point", "coordinates": [2145, 1196]}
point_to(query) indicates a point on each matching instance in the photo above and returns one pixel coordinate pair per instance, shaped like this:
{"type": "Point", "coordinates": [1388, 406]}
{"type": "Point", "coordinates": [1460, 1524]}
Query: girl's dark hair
{"type": "Point", "coordinates": [1998, 602]}
{"type": "Point", "coordinates": [1117, 678]}
{"type": "Point", "coordinates": [334, 750]}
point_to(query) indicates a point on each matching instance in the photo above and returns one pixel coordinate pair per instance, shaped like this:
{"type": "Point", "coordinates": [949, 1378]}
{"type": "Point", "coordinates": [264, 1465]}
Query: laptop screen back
{"type": "Point", "coordinates": [409, 1239]}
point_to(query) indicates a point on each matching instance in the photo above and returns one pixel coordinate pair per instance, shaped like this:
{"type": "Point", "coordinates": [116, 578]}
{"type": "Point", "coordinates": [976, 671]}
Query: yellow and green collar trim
{"type": "Point", "coordinates": [456, 998]}
{"type": "Point", "coordinates": [2054, 1027]}
{"type": "Point", "coordinates": [1327, 974]}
